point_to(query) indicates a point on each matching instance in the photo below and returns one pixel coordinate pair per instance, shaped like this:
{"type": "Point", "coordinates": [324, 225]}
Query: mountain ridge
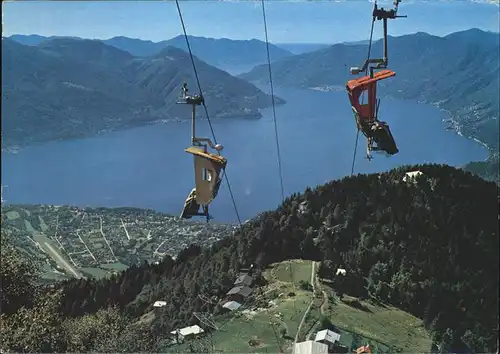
{"type": "Point", "coordinates": [445, 71]}
{"type": "Point", "coordinates": [67, 88]}
{"type": "Point", "coordinates": [219, 52]}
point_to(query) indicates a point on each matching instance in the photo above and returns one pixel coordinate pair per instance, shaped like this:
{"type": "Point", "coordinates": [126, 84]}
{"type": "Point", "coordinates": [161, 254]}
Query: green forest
{"type": "Point", "coordinates": [427, 246]}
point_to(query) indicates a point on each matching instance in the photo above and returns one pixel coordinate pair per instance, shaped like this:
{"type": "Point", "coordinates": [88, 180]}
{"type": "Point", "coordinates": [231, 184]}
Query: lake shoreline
{"type": "Point", "coordinates": [16, 148]}
{"type": "Point", "coordinates": [455, 126]}
{"type": "Point", "coordinates": [148, 168]}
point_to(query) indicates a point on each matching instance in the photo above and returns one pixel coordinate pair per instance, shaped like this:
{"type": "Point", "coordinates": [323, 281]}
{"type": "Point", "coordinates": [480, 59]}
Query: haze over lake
{"type": "Point", "coordinates": [147, 167]}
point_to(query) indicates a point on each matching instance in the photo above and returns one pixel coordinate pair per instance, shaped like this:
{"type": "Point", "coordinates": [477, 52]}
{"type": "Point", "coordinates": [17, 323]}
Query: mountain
{"type": "Point", "coordinates": [362, 42]}
{"type": "Point", "coordinates": [427, 246]}
{"type": "Point", "coordinates": [136, 47]}
{"type": "Point", "coordinates": [34, 39]}
{"type": "Point", "coordinates": [299, 48]}
{"type": "Point", "coordinates": [459, 73]}
{"type": "Point", "coordinates": [222, 53]}
{"type": "Point", "coordinates": [67, 88]}
{"type": "Point", "coordinates": [31, 39]}
{"type": "Point", "coordinates": [489, 169]}
{"type": "Point", "coordinates": [227, 52]}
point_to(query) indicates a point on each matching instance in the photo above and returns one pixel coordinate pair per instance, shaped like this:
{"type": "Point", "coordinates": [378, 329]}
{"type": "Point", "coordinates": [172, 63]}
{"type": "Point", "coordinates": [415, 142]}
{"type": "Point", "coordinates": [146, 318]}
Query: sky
{"type": "Point", "coordinates": [288, 21]}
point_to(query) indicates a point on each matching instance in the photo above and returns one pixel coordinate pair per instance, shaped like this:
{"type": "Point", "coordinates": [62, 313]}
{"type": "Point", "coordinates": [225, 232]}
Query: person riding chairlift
{"type": "Point", "coordinates": [366, 115]}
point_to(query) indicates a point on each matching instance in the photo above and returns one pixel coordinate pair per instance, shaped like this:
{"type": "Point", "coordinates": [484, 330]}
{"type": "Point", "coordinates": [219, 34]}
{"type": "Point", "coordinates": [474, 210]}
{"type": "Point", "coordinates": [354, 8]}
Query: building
{"type": "Point", "coordinates": [340, 271]}
{"type": "Point", "coordinates": [231, 305]}
{"type": "Point", "coordinates": [239, 293]}
{"type": "Point", "coordinates": [411, 176]}
{"type": "Point", "coordinates": [187, 332]}
{"type": "Point", "coordinates": [244, 279]}
{"type": "Point", "coordinates": [310, 347]}
{"type": "Point", "coordinates": [158, 304]}
{"type": "Point", "coordinates": [327, 337]}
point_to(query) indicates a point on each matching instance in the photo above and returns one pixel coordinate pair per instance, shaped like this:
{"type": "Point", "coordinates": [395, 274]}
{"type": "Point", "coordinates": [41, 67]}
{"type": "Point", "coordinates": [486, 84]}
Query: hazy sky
{"type": "Point", "coordinates": [288, 21]}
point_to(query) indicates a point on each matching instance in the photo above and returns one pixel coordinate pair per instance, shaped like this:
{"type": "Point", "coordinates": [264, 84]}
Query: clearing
{"type": "Point", "coordinates": [261, 330]}
{"type": "Point", "coordinates": [386, 327]}
{"type": "Point", "coordinates": [255, 329]}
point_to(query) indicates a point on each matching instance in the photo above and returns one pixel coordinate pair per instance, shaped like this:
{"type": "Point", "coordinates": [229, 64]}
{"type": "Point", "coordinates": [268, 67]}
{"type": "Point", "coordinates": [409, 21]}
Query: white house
{"type": "Point", "coordinates": [327, 337]}
{"type": "Point", "coordinates": [310, 347]}
{"type": "Point", "coordinates": [188, 331]}
{"type": "Point", "coordinates": [340, 271]}
{"type": "Point", "coordinates": [160, 304]}
{"type": "Point", "coordinates": [411, 175]}
{"type": "Point", "coordinates": [231, 305]}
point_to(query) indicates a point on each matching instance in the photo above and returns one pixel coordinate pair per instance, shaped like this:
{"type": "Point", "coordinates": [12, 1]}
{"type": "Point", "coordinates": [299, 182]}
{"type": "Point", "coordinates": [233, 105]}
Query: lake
{"type": "Point", "coordinates": [147, 167]}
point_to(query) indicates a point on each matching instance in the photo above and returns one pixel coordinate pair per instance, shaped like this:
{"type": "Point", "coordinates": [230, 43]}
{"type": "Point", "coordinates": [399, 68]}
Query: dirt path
{"type": "Point", "coordinates": [104, 237]}
{"type": "Point", "coordinates": [125, 228]}
{"type": "Point", "coordinates": [322, 309]}
{"type": "Point", "coordinates": [310, 305]}
{"type": "Point", "coordinates": [324, 305]}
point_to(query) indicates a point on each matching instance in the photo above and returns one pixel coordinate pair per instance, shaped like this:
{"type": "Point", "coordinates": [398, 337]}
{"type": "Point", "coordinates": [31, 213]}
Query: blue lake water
{"type": "Point", "coordinates": [147, 167]}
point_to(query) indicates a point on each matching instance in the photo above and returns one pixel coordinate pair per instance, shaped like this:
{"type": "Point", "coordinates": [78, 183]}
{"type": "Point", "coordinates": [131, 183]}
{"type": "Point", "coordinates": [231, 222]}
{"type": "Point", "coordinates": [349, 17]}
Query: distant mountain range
{"type": "Point", "coordinates": [459, 73]}
{"type": "Point", "coordinates": [300, 48]}
{"type": "Point", "coordinates": [222, 53]}
{"type": "Point", "coordinates": [66, 88]}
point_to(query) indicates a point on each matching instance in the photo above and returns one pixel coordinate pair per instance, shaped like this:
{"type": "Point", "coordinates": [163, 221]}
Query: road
{"type": "Point", "coordinates": [62, 260]}
{"type": "Point", "coordinates": [322, 308]}
{"type": "Point", "coordinates": [124, 228]}
{"type": "Point", "coordinates": [104, 237]}
{"type": "Point", "coordinates": [81, 240]}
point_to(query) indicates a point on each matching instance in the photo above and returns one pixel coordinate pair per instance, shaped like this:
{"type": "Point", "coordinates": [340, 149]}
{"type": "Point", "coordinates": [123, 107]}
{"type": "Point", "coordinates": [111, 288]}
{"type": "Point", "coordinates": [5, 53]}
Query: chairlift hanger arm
{"type": "Point", "coordinates": [195, 100]}
{"type": "Point", "coordinates": [216, 147]}
{"type": "Point", "coordinates": [357, 70]}
{"type": "Point", "coordinates": [384, 15]}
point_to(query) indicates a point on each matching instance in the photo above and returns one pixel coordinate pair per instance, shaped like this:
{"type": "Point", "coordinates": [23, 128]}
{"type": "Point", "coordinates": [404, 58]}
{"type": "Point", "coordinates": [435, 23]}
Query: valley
{"type": "Point", "coordinates": [71, 242]}
{"type": "Point", "coordinates": [276, 311]}
{"type": "Point", "coordinates": [384, 256]}
{"type": "Point", "coordinates": [403, 287]}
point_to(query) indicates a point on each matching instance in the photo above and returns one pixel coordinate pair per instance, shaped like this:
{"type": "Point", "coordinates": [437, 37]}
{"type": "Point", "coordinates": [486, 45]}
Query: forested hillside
{"type": "Point", "coordinates": [429, 247]}
{"type": "Point", "coordinates": [489, 169]}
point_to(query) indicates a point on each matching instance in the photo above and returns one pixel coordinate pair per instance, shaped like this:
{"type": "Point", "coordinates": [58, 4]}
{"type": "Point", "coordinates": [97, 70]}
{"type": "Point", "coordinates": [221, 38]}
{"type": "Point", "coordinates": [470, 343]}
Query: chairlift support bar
{"type": "Point", "coordinates": [195, 100]}
{"type": "Point", "coordinates": [384, 15]}
{"type": "Point", "coordinates": [1, 195]}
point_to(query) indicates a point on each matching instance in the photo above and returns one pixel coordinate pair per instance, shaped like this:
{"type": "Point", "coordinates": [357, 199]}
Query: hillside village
{"type": "Point", "coordinates": [234, 300]}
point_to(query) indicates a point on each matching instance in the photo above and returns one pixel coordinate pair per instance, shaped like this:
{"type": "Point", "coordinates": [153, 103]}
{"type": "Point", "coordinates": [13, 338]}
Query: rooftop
{"type": "Point", "coordinates": [412, 174]}
{"type": "Point", "coordinates": [189, 330]}
{"type": "Point", "coordinates": [244, 279]}
{"type": "Point", "coordinates": [232, 305]}
{"type": "Point", "coordinates": [241, 290]}
{"type": "Point", "coordinates": [327, 335]}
